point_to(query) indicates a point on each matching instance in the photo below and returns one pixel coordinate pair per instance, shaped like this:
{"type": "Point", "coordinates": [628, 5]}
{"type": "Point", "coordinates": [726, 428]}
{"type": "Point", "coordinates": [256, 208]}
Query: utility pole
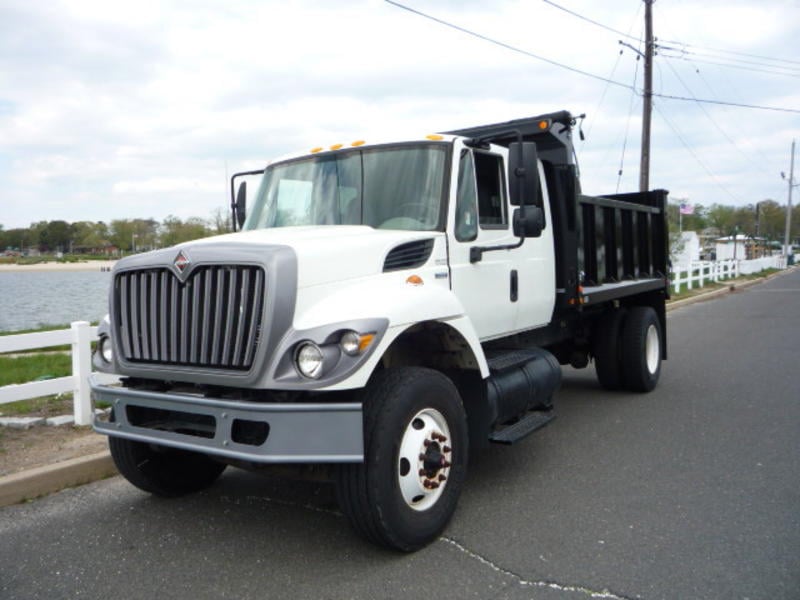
{"type": "Point", "coordinates": [647, 103]}
{"type": "Point", "coordinates": [787, 239]}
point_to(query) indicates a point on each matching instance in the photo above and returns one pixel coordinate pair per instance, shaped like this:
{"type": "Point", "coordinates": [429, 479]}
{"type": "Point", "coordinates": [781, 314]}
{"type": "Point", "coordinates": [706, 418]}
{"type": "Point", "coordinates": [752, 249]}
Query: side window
{"type": "Point", "coordinates": [489, 175]}
{"type": "Point", "coordinates": [466, 200]}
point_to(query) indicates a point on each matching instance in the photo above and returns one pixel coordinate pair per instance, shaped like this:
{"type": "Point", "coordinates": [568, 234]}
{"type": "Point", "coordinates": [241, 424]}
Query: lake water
{"type": "Point", "coordinates": [31, 299]}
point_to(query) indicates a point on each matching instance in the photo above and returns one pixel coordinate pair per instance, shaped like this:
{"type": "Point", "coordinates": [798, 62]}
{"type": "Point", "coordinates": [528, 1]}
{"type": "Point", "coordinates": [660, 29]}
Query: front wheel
{"type": "Point", "coordinates": [415, 459]}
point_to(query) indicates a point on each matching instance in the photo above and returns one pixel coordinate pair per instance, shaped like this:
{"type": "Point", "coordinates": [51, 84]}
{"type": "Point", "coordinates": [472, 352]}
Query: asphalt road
{"type": "Point", "coordinates": [692, 491]}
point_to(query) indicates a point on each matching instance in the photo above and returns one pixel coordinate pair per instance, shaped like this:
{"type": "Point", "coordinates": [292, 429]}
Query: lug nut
{"type": "Point", "coordinates": [422, 457]}
{"type": "Point", "coordinates": [426, 443]}
{"type": "Point", "coordinates": [447, 449]}
{"type": "Point", "coordinates": [442, 478]}
{"type": "Point", "coordinates": [434, 485]}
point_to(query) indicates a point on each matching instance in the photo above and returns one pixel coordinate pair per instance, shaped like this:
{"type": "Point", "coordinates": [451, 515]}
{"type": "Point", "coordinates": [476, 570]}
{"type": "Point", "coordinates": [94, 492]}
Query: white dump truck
{"type": "Point", "coordinates": [385, 310]}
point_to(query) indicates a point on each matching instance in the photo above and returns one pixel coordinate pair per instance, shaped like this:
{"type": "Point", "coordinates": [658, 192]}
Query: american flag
{"type": "Point", "coordinates": [686, 208]}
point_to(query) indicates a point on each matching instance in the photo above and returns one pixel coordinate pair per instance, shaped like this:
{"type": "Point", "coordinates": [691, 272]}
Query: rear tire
{"type": "Point", "coordinates": [606, 349]}
{"type": "Point", "coordinates": [415, 458]}
{"type": "Point", "coordinates": [161, 471]}
{"type": "Point", "coordinates": [641, 349]}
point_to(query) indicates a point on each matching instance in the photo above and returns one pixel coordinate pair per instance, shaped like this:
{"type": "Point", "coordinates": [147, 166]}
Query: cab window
{"type": "Point", "coordinates": [490, 181]}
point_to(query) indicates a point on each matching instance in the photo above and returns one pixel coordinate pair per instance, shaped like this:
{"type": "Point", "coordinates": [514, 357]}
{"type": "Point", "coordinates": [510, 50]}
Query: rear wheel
{"type": "Point", "coordinates": [606, 349]}
{"type": "Point", "coordinates": [166, 472]}
{"type": "Point", "coordinates": [641, 349]}
{"type": "Point", "coordinates": [415, 458]}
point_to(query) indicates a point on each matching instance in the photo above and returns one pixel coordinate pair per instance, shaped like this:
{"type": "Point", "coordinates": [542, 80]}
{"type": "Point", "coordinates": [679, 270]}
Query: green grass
{"type": "Point", "coordinates": [22, 369]}
{"type": "Point", "coordinates": [46, 406]}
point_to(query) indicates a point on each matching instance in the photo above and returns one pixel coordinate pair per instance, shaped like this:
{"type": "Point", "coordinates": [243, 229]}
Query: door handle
{"type": "Point", "coordinates": [514, 285]}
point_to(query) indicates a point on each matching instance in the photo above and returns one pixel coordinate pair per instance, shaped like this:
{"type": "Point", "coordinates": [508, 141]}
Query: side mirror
{"type": "Point", "coordinates": [240, 207]}
{"type": "Point", "coordinates": [523, 174]}
{"type": "Point", "coordinates": [531, 224]}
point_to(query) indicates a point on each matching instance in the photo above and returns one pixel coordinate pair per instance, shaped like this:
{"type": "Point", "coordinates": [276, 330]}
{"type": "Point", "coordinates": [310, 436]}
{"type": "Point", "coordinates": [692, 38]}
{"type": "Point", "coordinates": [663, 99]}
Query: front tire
{"type": "Point", "coordinates": [415, 458]}
{"type": "Point", "coordinates": [161, 471]}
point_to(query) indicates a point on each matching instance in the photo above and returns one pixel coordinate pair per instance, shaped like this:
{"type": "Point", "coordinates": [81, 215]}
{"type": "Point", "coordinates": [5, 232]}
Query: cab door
{"type": "Point", "coordinates": [506, 291]}
{"type": "Point", "coordinates": [481, 218]}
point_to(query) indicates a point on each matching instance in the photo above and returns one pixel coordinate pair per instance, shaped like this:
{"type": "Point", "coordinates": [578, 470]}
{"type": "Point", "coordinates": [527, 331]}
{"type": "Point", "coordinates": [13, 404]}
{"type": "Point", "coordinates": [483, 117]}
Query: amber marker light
{"type": "Point", "coordinates": [317, 149]}
{"type": "Point", "coordinates": [414, 280]}
{"type": "Point", "coordinates": [435, 137]}
{"type": "Point", "coordinates": [544, 124]}
{"type": "Point", "coordinates": [358, 143]}
{"type": "Point", "coordinates": [366, 340]}
{"type": "Point", "coordinates": [336, 146]}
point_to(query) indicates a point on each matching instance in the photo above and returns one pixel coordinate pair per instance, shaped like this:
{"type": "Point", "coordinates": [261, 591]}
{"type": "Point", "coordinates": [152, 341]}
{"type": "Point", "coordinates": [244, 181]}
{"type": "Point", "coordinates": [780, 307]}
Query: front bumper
{"type": "Point", "coordinates": [295, 432]}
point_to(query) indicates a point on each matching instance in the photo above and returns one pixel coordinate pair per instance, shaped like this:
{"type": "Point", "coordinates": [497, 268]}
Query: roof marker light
{"type": "Point", "coordinates": [317, 149]}
{"type": "Point", "coordinates": [435, 137]}
{"type": "Point", "coordinates": [336, 146]}
{"type": "Point", "coordinates": [358, 143]}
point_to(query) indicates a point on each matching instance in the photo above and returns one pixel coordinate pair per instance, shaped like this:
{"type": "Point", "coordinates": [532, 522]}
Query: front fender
{"type": "Point", "coordinates": [389, 297]}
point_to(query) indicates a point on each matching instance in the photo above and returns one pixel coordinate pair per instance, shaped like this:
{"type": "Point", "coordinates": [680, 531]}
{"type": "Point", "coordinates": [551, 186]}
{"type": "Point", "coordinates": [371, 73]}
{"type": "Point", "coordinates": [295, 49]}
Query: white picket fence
{"type": "Point", "coordinates": [700, 273]}
{"type": "Point", "coordinates": [79, 336]}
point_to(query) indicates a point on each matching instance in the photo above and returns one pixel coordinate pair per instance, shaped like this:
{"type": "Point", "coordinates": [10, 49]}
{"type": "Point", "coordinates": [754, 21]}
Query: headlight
{"type": "Point", "coordinates": [309, 360]}
{"type": "Point", "coordinates": [106, 349]}
{"type": "Point", "coordinates": [350, 342]}
{"type": "Point", "coordinates": [353, 343]}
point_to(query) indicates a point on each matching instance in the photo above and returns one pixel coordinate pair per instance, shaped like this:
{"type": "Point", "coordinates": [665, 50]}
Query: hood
{"type": "Point", "coordinates": [328, 253]}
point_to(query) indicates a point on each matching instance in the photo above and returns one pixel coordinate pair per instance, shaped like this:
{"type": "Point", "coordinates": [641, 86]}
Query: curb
{"type": "Point", "coordinates": [33, 483]}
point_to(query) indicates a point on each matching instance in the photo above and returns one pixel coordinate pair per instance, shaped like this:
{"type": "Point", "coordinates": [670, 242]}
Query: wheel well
{"type": "Point", "coordinates": [430, 344]}
{"type": "Point", "coordinates": [439, 346]}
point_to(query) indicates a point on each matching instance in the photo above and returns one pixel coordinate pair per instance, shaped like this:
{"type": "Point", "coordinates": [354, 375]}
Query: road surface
{"type": "Point", "coordinates": [692, 491]}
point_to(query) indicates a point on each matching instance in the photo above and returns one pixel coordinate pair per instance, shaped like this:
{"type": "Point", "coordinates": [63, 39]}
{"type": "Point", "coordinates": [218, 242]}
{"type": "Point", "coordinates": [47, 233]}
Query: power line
{"type": "Point", "coordinates": [724, 103]}
{"type": "Point", "coordinates": [770, 58]}
{"type": "Point", "coordinates": [611, 76]}
{"type": "Point", "coordinates": [504, 45]}
{"type": "Point", "coordinates": [587, 19]}
{"type": "Point", "coordinates": [573, 69]}
{"type": "Point", "coordinates": [714, 122]}
{"type": "Point", "coordinates": [683, 44]}
{"type": "Point", "coordinates": [627, 127]}
{"type": "Point", "coordinates": [677, 133]}
{"type": "Point", "coordinates": [742, 67]}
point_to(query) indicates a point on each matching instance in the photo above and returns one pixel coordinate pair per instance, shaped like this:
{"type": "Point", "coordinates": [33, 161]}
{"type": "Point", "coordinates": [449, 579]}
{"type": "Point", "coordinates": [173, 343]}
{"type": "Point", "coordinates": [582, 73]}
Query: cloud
{"type": "Point", "coordinates": [119, 110]}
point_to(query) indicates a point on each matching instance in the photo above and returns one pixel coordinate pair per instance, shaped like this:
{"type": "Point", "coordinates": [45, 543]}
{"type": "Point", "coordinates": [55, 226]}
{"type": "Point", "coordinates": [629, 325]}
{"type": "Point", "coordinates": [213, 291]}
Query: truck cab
{"type": "Point", "coordinates": [385, 309]}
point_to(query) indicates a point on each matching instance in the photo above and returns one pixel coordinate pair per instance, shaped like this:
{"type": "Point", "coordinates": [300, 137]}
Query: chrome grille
{"type": "Point", "coordinates": [212, 320]}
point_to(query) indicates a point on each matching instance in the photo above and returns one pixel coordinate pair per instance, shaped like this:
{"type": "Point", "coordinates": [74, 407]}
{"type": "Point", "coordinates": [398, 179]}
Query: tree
{"type": "Point", "coordinates": [220, 221]}
{"type": "Point", "coordinates": [722, 218]}
{"type": "Point", "coordinates": [174, 231]}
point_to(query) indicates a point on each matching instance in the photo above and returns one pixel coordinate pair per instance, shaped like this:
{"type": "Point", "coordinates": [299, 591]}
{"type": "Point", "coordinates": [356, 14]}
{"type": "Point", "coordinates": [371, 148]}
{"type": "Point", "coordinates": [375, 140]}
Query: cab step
{"type": "Point", "coordinates": [525, 426]}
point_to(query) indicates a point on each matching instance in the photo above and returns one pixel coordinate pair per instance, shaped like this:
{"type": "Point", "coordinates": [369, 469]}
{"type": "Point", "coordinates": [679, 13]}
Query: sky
{"type": "Point", "coordinates": [119, 110]}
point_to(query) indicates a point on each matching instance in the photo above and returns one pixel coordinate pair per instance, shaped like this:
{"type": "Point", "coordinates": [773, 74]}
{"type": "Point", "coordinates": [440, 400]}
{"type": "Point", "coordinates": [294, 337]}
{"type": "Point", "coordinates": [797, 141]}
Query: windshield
{"type": "Point", "coordinates": [389, 187]}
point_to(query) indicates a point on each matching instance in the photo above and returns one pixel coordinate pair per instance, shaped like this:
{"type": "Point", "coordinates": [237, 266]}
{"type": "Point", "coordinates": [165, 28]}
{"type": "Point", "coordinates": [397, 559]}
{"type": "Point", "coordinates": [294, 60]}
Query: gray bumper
{"type": "Point", "coordinates": [297, 433]}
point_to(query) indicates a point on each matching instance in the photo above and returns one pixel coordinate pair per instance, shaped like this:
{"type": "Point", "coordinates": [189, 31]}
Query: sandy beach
{"type": "Point", "coordinates": [89, 265]}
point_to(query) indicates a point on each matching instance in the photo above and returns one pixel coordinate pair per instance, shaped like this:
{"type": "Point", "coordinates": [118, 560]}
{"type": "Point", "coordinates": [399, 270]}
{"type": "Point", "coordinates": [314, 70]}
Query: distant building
{"type": "Point", "coordinates": [744, 247]}
{"type": "Point", "coordinates": [687, 250]}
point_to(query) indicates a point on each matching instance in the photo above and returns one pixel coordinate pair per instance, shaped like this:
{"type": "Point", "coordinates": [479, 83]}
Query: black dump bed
{"type": "Point", "coordinates": [607, 247]}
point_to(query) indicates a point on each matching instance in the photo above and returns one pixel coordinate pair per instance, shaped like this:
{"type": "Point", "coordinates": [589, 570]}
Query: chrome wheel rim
{"type": "Point", "coordinates": [424, 460]}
